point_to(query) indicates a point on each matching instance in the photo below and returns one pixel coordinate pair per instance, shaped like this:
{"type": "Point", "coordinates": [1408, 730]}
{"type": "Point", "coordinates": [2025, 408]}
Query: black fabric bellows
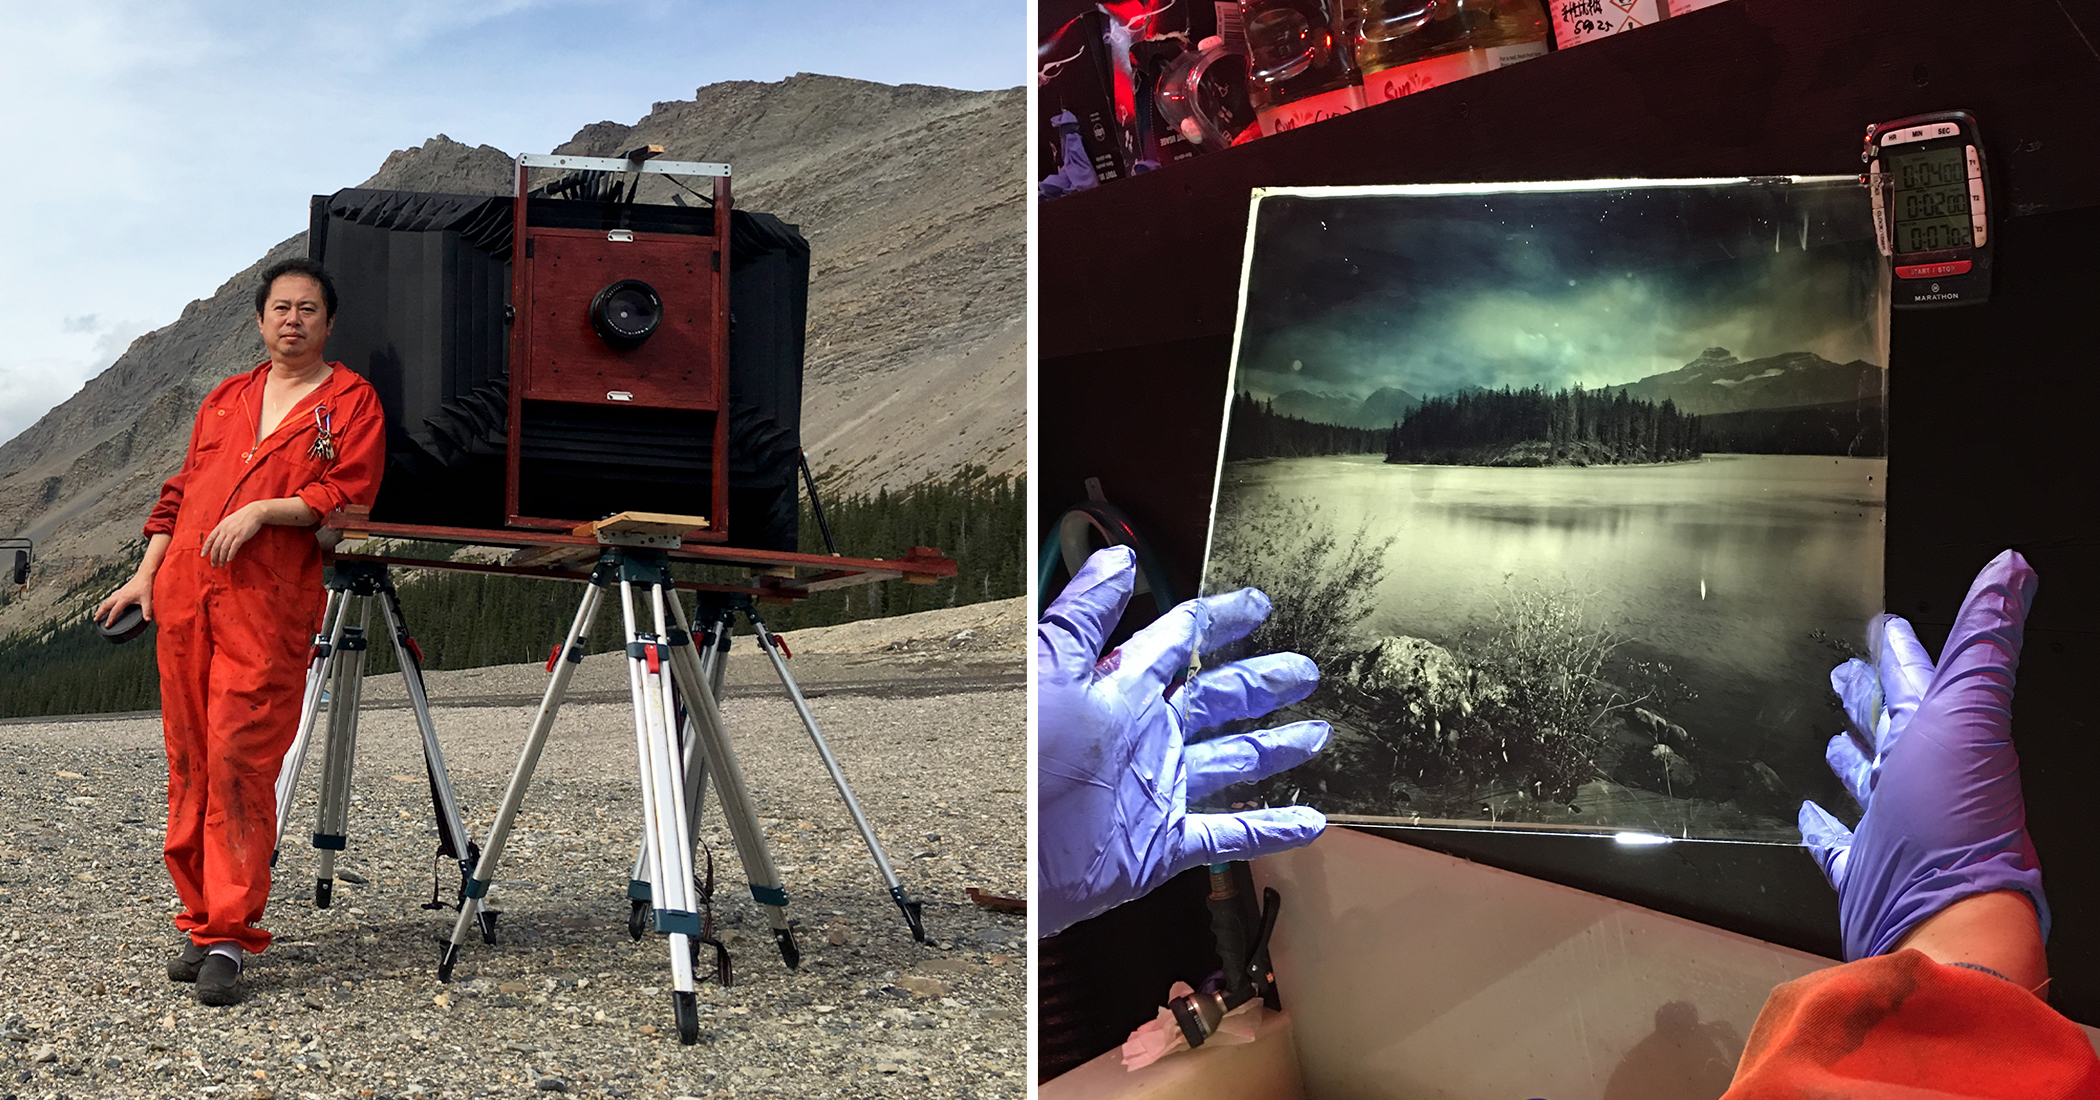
{"type": "Point", "coordinates": [425, 284]}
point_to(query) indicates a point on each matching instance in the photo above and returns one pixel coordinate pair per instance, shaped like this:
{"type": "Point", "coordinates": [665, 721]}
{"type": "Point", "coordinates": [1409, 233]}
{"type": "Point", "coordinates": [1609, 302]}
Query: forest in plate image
{"type": "Point", "coordinates": [1575, 494]}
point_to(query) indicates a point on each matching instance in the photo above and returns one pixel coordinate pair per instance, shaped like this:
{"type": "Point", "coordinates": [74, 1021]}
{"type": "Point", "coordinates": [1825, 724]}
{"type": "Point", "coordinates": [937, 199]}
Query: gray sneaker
{"type": "Point", "coordinates": [183, 967]}
{"type": "Point", "coordinates": [218, 980]}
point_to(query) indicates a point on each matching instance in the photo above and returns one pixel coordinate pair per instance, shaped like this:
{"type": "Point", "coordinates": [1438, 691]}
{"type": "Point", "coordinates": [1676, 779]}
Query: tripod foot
{"type": "Point", "coordinates": [324, 892]}
{"type": "Point", "coordinates": [687, 1011]}
{"type": "Point", "coordinates": [910, 907]}
{"type": "Point", "coordinates": [486, 920]}
{"type": "Point", "coordinates": [637, 919]}
{"type": "Point", "coordinates": [447, 955]}
{"type": "Point", "coordinates": [789, 953]}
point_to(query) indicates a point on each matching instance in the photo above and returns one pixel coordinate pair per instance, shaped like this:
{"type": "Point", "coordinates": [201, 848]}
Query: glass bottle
{"type": "Point", "coordinates": [1302, 70]}
{"type": "Point", "coordinates": [1407, 46]}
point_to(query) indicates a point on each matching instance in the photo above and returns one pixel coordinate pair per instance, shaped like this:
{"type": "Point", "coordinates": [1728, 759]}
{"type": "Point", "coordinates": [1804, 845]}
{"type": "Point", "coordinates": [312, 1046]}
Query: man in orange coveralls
{"type": "Point", "coordinates": [232, 574]}
{"type": "Point", "coordinates": [1939, 890]}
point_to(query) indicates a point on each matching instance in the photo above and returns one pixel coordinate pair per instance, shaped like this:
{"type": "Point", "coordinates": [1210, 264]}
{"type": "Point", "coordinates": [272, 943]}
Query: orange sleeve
{"type": "Point", "coordinates": [161, 521]}
{"type": "Point", "coordinates": [360, 456]}
{"type": "Point", "coordinates": [1902, 1025]}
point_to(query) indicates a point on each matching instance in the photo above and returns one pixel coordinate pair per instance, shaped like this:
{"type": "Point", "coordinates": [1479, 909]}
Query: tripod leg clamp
{"type": "Point", "coordinates": [638, 890]}
{"type": "Point", "coordinates": [477, 888]}
{"type": "Point", "coordinates": [331, 843]}
{"type": "Point", "coordinates": [678, 920]}
{"type": "Point", "coordinates": [769, 895]}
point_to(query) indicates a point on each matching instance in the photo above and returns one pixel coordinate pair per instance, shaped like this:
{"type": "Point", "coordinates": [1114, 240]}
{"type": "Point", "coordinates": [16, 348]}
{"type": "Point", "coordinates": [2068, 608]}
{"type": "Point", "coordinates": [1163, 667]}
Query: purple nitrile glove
{"type": "Point", "coordinates": [1944, 818]}
{"type": "Point", "coordinates": [1115, 772]}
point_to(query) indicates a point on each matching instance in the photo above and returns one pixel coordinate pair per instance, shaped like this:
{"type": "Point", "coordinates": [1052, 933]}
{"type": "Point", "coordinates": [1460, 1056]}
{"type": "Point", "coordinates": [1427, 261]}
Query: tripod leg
{"type": "Point", "coordinates": [452, 834]}
{"type": "Point", "coordinates": [695, 776]}
{"type": "Point", "coordinates": [704, 638]}
{"type": "Point", "coordinates": [716, 669]}
{"type": "Point", "coordinates": [331, 831]}
{"type": "Point", "coordinates": [321, 664]}
{"type": "Point", "coordinates": [663, 804]}
{"type": "Point", "coordinates": [471, 910]}
{"type": "Point", "coordinates": [735, 797]}
{"type": "Point", "coordinates": [908, 906]}
{"type": "Point", "coordinates": [638, 874]}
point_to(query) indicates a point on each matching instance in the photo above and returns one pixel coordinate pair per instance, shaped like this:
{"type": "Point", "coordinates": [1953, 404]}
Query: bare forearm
{"type": "Point", "coordinates": [285, 512]}
{"type": "Point", "coordinates": [156, 549]}
{"type": "Point", "coordinates": [1997, 930]}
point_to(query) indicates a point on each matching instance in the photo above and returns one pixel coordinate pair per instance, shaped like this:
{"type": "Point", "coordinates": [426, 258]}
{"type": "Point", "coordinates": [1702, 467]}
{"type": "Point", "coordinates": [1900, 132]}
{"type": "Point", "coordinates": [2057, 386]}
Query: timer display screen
{"type": "Point", "coordinates": [1930, 204]}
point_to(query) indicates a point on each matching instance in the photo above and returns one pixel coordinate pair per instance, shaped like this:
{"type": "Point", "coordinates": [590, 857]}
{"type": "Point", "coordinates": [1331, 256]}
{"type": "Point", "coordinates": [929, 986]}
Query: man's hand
{"type": "Point", "coordinates": [1114, 770]}
{"type": "Point", "coordinates": [232, 533]}
{"type": "Point", "coordinates": [138, 590]}
{"type": "Point", "coordinates": [1934, 769]}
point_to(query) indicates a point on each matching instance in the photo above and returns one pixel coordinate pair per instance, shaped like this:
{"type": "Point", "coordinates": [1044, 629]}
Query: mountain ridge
{"type": "Point", "coordinates": [1794, 379]}
{"type": "Point", "coordinates": [913, 199]}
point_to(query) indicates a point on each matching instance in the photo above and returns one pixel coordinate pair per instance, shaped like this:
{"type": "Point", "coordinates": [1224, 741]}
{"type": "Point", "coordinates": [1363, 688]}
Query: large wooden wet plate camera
{"type": "Point", "coordinates": [564, 353]}
{"type": "Point", "coordinates": [618, 334]}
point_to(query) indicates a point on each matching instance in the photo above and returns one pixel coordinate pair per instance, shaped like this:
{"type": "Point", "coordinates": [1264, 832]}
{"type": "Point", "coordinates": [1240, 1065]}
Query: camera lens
{"type": "Point", "coordinates": [625, 313]}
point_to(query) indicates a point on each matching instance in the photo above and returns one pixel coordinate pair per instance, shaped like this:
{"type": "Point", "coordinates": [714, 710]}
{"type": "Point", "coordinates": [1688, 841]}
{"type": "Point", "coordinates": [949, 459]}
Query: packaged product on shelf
{"type": "Point", "coordinates": [1579, 21]}
{"type": "Point", "coordinates": [1073, 75]}
{"type": "Point", "coordinates": [1203, 95]}
{"type": "Point", "coordinates": [1303, 70]}
{"type": "Point", "coordinates": [1406, 46]}
{"type": "Point", "coordinates": [1146, 38]}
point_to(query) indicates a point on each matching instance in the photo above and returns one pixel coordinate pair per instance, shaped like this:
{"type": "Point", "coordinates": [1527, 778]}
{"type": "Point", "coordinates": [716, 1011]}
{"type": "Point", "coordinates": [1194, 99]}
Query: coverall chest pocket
{"type": "Point", "coordinates": [216, 428]}
{"type": "Point", "coordinates": [301, 467]}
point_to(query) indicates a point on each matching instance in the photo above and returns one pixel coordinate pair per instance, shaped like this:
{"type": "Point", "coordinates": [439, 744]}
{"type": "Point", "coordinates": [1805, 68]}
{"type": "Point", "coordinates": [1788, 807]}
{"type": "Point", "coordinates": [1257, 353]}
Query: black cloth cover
{"type": "Point", "coordinates": [424, 280]}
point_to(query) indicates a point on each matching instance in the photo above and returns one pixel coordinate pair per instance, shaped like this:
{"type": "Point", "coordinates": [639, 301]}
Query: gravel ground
{"type": "Point", "coordinates": [347, 1002]}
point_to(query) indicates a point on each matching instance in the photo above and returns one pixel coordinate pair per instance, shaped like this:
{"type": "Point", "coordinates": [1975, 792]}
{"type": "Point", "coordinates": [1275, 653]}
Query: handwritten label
{"type": "Point", "coordinates": [1578, 21]}
{"type": "Point", "coordinates": [1418, 76]}
{"type": "Point", "coordinates": [1311, 109]}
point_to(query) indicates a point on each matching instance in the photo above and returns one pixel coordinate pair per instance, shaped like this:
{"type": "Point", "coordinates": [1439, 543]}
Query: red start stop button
{"type": "Point", "coordinates": [1932, 271]}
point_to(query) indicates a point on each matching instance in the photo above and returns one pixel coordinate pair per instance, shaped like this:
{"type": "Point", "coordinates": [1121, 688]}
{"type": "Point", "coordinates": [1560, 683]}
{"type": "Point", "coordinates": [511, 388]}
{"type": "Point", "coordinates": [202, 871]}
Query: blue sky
{"type": "Point", "coordinates": [155, 148]}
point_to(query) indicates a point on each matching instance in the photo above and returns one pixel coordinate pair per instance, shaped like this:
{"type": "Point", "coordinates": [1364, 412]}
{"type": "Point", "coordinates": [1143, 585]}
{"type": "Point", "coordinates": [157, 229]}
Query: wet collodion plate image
{"type": "Point", "coordinates": [1574, 492]}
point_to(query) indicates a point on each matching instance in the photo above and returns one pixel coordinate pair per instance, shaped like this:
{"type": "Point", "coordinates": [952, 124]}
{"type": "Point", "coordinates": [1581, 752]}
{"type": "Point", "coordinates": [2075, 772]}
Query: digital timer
{"type": "Point", "coordinates": [1931, 208]}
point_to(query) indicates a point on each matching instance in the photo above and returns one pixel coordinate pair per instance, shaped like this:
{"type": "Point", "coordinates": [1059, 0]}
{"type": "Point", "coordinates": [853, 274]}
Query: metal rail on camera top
{"type": "Point", "coordinates": [620, 164]}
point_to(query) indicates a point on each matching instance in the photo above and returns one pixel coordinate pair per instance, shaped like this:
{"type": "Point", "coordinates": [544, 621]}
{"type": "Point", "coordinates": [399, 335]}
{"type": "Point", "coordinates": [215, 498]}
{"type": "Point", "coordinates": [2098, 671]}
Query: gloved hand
{"type": "Point", "coordinates": [1944, 815]}
{"type": "Point", "coordinates": [1114, 771]}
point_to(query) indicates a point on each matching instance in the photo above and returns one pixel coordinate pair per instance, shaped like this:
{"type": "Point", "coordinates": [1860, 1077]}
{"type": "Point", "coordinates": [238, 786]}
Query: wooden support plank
{"type": "Point", "coordinates": [641, 523]}
{"type": "Point", "coordinates": [550, 555]}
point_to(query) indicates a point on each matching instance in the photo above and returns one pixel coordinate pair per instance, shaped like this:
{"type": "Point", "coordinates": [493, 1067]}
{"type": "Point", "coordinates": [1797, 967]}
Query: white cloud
{"type": "Point", "coordinates": [33, 388]}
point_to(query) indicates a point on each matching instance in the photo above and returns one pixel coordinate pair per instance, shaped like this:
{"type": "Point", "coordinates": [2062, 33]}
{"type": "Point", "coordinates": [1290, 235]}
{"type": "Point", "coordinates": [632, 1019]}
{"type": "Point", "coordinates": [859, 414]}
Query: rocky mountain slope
{"type": "Point", "coordinates": [1385, 407]}
{"type": "Point", "coordinates": [1717, 382]}
{"type": "Point", "coordinates": [912, 198]}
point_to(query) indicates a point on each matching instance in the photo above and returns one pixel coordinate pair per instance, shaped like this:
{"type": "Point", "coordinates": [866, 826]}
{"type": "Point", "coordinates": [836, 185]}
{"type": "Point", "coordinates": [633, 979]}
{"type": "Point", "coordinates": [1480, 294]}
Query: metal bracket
{"type": "Point", "coordinates": [677, 920]}
{"type": "Point", "coordinates": [615, 164]}
{"type": "Point", "coordinates": [641, 539]}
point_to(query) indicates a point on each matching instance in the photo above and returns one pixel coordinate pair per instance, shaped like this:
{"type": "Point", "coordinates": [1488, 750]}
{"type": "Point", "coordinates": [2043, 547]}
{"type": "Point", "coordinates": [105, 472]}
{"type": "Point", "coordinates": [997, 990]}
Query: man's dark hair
{"type": "Point", "coordinates": [297, 265]}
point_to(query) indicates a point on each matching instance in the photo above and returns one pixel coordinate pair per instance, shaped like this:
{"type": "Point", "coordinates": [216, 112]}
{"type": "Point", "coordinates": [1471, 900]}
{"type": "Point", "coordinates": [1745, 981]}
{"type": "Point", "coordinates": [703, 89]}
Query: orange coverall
{"type": "Point", "coordinates": [1903, 1026]}
{"type": "Point", "coordinates": [234, 640]}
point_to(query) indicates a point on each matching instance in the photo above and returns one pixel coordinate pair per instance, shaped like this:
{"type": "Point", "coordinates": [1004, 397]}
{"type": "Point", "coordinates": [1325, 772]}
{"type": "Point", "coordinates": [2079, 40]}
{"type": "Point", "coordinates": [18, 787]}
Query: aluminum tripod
{"type": "Point", "coordinates": [663, 668]}
{"type": "Point", "coordinates": [336, 670]}
{"type": "Point", "coordinates": [716, 615]}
